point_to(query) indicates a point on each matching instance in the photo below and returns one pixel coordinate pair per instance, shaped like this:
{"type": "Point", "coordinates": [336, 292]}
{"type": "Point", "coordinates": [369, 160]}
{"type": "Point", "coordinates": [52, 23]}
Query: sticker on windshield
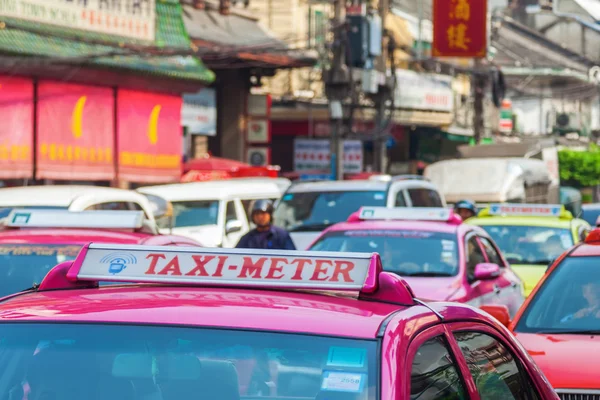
{"type": "Point", "coordinates": [346, 357]}
{"type": "Point", "coordinates": [288, 197]}
{"type": "Point", "coordinates": [379, 196]}
{"type": "Point", "coordinates": [448, 245]}
{"type": "Point", "coordinates": [566, 240]}
{"type": "Point", "coordinates": [337, 381]}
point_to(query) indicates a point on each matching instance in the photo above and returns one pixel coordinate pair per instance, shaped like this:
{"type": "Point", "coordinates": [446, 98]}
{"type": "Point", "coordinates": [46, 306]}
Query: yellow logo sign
{"type": "Point", "coordinates": [153, 124]}
{"type": "Point", "coordinates": [77, 117]}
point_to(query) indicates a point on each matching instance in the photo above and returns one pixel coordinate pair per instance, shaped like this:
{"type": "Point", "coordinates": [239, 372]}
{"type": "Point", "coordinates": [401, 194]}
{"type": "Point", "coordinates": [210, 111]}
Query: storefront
{"type": "Point", "coordinates": [78, 103]}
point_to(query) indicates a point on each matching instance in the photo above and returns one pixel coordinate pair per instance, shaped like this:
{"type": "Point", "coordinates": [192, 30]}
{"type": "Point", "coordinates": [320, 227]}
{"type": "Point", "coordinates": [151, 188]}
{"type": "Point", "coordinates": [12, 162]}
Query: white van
{"type": "Point", "coordinates": [75, 198]}
{"type": "Point", "coordinates": [215, 213]}
{"type": "Point", "coordinates": [308, 208]}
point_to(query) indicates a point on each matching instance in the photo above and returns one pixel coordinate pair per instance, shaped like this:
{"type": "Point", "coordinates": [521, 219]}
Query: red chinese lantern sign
{"type": "Point", "coordinates": [460, 28]}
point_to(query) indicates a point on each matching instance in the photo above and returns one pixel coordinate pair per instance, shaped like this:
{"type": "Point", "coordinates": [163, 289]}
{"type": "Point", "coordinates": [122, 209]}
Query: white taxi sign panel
{"type": "Point", "coordinates": [405, 213]}
{"type": "Point", "coordinates": [232, 267]}
{"type": "Point", "coordinates": [32, 218]}
{"type": "Point", "coordinates": [526, 210]}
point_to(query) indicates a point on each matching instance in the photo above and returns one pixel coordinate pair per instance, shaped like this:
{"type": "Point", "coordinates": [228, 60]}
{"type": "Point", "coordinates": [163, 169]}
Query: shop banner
{"type": "Point", "coordinates": [75, 136]}
{"type": "Point", "coordinates": [149, 137]}
{"type": "Point", "coordinates": [16, 129]}
{"type": "Point", "coordinates": [460, 28]}
{"type": "Point", "coordinates": [427, 92]}
{"type": "Point", "coordinates": [315, 155]}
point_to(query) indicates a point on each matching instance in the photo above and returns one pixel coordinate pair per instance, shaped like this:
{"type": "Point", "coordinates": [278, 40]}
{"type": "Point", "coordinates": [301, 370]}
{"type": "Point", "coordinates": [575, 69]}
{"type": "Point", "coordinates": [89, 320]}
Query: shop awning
{"type": "Point", "coordinates": [241, 40]}
{"type": "Point", "coordinates": [27, 38]}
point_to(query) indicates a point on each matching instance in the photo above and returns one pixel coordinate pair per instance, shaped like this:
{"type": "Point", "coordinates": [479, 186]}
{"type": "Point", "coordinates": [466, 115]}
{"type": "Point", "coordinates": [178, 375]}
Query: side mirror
{"type": "Point", "coordinates": [233, 226]}
{"type": "Point", "coordinates": [500, 312]}
{"type": "Point", "coordinates": [486, 271]}
{"type": "Point", "coordinates": [160, 207]}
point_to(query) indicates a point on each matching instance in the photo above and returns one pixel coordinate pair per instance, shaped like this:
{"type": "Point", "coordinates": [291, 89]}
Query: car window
{"type": "Point", "coordinates": [530, 244]}
{"type": "Point", "coordinates": [403, 252]}
{"type": "Point", "coordinates": [173, 363]}
{"type": "Point", "coordinates": [496, 372]}
{"type": "Point", "coordinates": [400, 200]}
{"type": "Point", "coordinates": [491, 252]}
{"type": "Point", "coordinates": [113, 206]}
{"type": "Point", "coordinates": [424, 198]}
{"type": "Point", "coordinates": [230, 213]}
{"type": "Point", "coordinates": [434, 374]}
{"type": "Point", "coordinates": [247, 204]}
{"type": "Point", "coordinates": [584, 231]}
{"type": "Point", "coordinates": [194, 213]}
{"type": "Point", "coordinates": [474, 256]}
{"type": "Point", "coordinates": [568, 301]}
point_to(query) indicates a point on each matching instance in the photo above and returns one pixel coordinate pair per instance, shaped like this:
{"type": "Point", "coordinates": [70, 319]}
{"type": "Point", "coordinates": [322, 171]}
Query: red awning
{"type": "Point", "coordinates": [210, 163]}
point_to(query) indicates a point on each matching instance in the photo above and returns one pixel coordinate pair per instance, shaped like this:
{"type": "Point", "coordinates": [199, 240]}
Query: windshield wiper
{"type": "Point", "coordinates": [571, 332]}
{"type": "Point", "coordinates": [309, 227]}
{"type": "Point", "coordinates": [426, 274]}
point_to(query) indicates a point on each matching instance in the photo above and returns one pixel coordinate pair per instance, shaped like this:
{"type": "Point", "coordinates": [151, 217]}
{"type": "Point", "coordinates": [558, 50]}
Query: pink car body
{"type": "Point", "coordinates": [382, 310]}
{"type": "Point", "coordinates": [504, 287]}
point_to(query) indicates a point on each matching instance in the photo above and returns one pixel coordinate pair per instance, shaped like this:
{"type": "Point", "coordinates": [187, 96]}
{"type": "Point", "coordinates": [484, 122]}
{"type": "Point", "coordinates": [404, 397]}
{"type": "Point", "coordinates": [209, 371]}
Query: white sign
{"type": "Point", "coordinates": [133, 19]}
{"type": "Point", "coordinates": [403, 213]}
{"type": "Point", "coordinates": [315, 155]}
{"type": "Point", "coordinates": [258, 131]}
{"type": "Point", "coordinates": [102, 219]}
{"type": "Point", "coordinates": [550, 157]}
{"type": "Point", "coordinates": [199, 112]}
{"type": "Point", "coordinates": [429, 92]}
{"type": "Point", "coordinates": [531, 210]}
{"type": "Point", "coordinates": [239, 267]}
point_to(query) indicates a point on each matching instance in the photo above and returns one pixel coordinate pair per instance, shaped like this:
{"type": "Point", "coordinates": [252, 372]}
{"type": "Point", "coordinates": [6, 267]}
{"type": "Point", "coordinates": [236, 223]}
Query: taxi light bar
{"type": "Point", "coordinates": [405, 213]}
{"type": "Point", "coordinates": [527, 210]}
{"type": "Point", "coordinates": [102, 219]}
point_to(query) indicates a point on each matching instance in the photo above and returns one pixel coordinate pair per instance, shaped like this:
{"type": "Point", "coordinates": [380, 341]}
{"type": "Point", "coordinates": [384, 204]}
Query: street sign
{"type": "Point", "coordinates": [460, 28]}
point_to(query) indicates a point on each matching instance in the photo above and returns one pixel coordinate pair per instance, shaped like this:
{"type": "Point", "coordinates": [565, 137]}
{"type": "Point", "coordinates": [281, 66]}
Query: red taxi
{"type": "Point", "coordinates": [559, 324]}
{"type": "Point", "coordinates": [440, 257]}
{"type": "Point", "coordinates": [247, 324]}
{"type": "Point", "coordinates": [33, 241]}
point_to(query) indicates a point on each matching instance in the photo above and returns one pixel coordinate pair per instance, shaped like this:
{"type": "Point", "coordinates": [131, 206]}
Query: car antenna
{"type": "Point", "coordinates": [440, 316]}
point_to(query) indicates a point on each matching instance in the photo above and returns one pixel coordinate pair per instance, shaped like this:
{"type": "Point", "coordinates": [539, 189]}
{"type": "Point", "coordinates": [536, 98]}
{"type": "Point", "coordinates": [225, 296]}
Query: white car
{"type": "Point", "coordinates": [75, 198]}
{"type": "Point", "coordinates": [214, 213]}
{"type": "Point", "coordinates": [308, 208]}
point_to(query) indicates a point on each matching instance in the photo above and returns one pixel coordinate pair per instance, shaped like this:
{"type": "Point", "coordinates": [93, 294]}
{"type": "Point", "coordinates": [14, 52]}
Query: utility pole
{"type": "Point", "coordinates": [337, 84]}
{"type": "Point", "coordinates": [479, 83]}
{"type": "Point", "coordinates": [380, 143]}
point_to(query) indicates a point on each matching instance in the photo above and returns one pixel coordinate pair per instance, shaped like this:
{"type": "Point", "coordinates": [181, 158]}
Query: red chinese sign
{"type": "Point", "coordinates": [16, 129]}
{"type": "Point", "coordinates": [149, 137]}
{"type": "Point", "coordinates": [460, 28]}
{"type": "Point", "coordinates": [75, 132]}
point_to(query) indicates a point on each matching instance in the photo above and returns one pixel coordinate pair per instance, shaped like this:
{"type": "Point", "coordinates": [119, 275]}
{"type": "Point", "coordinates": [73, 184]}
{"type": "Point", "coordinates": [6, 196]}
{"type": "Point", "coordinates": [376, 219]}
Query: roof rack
{"type": "Point", "coordinates": [406, 214]}
{"type": "Point", "coordinates": [101, 219]}
{"type": "Point", "coordinates": [203, 267]}
{"type": "Point", "coordinates": [526, 210]}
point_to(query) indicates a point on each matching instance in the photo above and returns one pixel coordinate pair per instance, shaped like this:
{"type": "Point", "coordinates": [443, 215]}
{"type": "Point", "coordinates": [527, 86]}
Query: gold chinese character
{"type": "Point", "coordinates": [61, 152]}
{"type": "Point", "coordinates": [53, 151]}
{"type": "Point", "coordinates": [77, 153]}
{"type": "Point", "coordinates": [69, 153]}
{"type": "Point", "coordinates": [44, 150]}
{"type": "Point", "coordinates": [84, 153]}
{"type": "Point", "coordinates": [457, 37]}
{"type": "Point", "coordinates": [108, 154]}
{"type": "Point", "coordinates": [93, 154]}
{"type": "Point", "coordinates": [461, 9]}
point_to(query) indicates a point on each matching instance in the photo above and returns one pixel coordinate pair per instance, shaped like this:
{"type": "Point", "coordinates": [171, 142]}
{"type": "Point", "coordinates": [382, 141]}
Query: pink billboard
{"type": "Point", "coordinates": [149, 137]}
{"type": "Point", "coordinates": [75, 137]}
{"type": "Point", "coordinates": [16, 129]}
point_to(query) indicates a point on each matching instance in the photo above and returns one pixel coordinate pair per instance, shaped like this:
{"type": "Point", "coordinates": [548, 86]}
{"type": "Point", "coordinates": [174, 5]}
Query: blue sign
{"type": "Point", "coordinates": [315, 177]}
{"type": "Point", "coordinates": [118, 262]}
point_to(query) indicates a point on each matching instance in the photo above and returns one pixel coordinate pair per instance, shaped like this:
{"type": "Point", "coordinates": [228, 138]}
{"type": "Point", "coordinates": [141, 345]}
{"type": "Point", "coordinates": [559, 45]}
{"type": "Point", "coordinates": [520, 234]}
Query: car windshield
{"type": "Point", "coordinates": [178, 363]}
{"type": "Point", "coordinates": [193, 213]}
{"type": "Point", "coordinates": [405, 252]}
{"type": "Point", "coordinates": [315, 211]}
{"type": "Point", "coordinates": [568, 301]}
{"type": "Point", "coordinates": [530, 244]}
{"type": "Point", "coordinates": [23, 265]}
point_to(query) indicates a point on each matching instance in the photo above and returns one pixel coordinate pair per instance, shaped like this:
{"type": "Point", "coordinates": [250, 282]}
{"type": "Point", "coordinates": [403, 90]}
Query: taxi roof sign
{"type": "Point", "coordinates": [406, 213]}
{"type": "Point", "coordinates": [527, 210]}
{"type": "Point", "coordinates": [101, 219]}
{"type": "Point", "coordinates": [227, 267]}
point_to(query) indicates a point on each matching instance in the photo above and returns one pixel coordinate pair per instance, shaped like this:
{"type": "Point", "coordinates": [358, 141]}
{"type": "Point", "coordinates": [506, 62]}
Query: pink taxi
{"type": "Point", "coordinates": [245, 324]}
{"type": "Point", "coordinates": [440, 257]}
{"type": "Point", "coordinates": [32, 241]}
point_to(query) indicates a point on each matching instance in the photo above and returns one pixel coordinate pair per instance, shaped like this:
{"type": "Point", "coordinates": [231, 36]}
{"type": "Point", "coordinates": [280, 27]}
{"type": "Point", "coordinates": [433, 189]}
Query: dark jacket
{"type": "Point", "coordinates": [275, 238]}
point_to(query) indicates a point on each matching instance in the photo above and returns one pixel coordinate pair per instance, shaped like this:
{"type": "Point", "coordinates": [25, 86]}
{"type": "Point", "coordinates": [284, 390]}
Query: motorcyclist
{"type": "Point", "coordinates": [465, 209]}
{"type": "Point", "coordinates": [265, 235]}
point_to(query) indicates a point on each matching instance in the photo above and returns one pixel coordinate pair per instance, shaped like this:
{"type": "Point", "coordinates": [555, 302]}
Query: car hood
{"type": "Point", "coordinates": [208, 235]}
{"type": "Point", "coordinates": [434, 289]}
{"type": "Point", "coordinates": [553, 352]}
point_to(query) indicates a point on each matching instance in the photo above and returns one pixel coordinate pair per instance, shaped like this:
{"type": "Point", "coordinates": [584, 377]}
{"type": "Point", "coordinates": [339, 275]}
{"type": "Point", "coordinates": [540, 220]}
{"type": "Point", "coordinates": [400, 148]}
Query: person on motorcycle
{"type": "Point", "coordinates": [265, 235]}
{"type": "Point", "coordinates": [466, 209]}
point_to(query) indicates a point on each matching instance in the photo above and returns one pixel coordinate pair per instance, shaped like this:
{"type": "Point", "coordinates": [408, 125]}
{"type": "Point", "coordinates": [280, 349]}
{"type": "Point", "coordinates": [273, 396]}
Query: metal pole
{"type": "Point", "coordinates": [420, 33]}
{"type": "Point", "coordinates": [335, 103]}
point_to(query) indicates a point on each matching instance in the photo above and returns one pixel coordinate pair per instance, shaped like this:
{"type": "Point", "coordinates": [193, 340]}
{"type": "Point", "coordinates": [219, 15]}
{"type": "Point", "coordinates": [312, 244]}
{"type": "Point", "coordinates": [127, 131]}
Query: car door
{"type": "Point", "coordinates": [432, 370]}
{"type": "Point", "coordinates": [480, 292]}
{"type": "Point", "coordinates": [508, 286]}
{"type": "Point", "coordinates": [496, 367]}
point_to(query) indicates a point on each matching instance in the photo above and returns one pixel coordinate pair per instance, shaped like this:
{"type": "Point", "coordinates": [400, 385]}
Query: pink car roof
{"type": "Point", "coordinates": [403, 225]}
{"type": "Point", "coordinates": [215, 307]}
